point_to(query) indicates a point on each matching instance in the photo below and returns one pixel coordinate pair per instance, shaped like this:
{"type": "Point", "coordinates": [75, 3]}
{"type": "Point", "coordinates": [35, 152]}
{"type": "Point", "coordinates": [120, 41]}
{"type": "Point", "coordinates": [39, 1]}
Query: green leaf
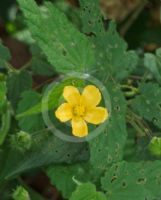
{"type": "Point", "coordinates": [46, 149]}
{"type": "Point", "coordinates": [87, 191]}
{"type": "Point", "coordinates": [28, 123]}
{"type": "Point", "coordinates": [18, 82]}
{"type": "Point", "coordinates": [91, 17]}
{"type": "Point", "coordinates": [65, 47]}
{"type": "Point", "coordinates": [62, 175]}
{"type": "Point", "coordinates": [133, 181]}
{"type": "Point", "coordinates": [55, 94]}
{"type": "Point", "coordinates": [4, 56]}
{"type": "Point", "coordinates": [158, 53]}
{"type": "Point", "coordinates": [108, 147]}
{"type": "Point", "coordinates": [3, 91]}
{"type": "Point", "coordinates": [112, 55]}
{"type": "Point", "coordinates": [153, 64]}
{"type": "Point", "coordinates": [39, 64]}
{"type": "Point", "coordinates": [24, 36]}
{"type": "Point", "coordinates": [148, 103]}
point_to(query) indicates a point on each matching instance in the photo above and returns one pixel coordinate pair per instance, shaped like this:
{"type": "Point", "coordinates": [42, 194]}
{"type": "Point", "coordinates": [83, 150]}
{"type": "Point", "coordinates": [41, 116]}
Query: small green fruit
{"type": "Point", "coordinates": [155, 146]}
{"type": "Point", "coordinates": [21, 141]}
{"type": "Point", "coordinates": [20, 194]}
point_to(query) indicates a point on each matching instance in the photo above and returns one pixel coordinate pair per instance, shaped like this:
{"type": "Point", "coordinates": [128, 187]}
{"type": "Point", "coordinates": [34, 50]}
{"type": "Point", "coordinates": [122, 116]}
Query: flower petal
{"type": "Point", "coordinates": [79, 127]}
{"type": "Point", "coordinates": [91, 96]}
{"type": "Point", "coordinates": [96, 115]}
{"type": "Point", "coordinates": [71, 95]}
{"type": "Point", "coordinates": [64, 112]}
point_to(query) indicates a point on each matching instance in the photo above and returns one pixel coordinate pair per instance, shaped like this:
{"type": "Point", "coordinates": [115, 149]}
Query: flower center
{"type": "Point", "coordinates": [79, 110]}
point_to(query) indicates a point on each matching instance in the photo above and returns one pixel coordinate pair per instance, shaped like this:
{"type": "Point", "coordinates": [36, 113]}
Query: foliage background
{"type": "Point", "coordinates": [124, 161]}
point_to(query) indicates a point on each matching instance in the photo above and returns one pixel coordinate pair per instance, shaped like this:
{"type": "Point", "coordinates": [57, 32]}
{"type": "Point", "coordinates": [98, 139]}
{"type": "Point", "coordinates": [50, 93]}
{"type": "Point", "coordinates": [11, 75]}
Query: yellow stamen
{"type": "Point", "coordinates": [79, 110]}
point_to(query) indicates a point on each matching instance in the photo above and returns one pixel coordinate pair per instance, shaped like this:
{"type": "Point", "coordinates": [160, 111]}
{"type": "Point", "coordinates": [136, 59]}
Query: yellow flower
{"type": "Point", "coordinates": [81, 109]}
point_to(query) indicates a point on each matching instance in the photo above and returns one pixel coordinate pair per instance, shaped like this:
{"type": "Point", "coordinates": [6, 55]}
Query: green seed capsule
{"type": "Point", "coordinates": [21, 141]}
{"type": "Point", "coordinates": [155, 146]}
{"type": "Point", "coordinates": [20, 194]}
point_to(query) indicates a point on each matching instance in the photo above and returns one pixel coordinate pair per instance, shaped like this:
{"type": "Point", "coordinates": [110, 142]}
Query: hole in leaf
{"type": "Point", "coordinates": [99, 20]}
{"type": "Point", "coordinates": [99, 150]}
{"type": "Point", "coordinates": [91, 34]}
{"type": "Point", "coordinates": [90, 22]}
{"type": "Point", "coordinates": [141, 180]}
{"type": "Point", "coordinates": [113, 179]}
{"type": "Point", "coordinates": [85, 8]}
{"type": "Point", "coordinates": [117, 108]}
{"type": "Point", "coordinates": [68, 155]}
{"type": "Point", "coordinates": [86, 149]}
{"type": "Point", "coordinates": [64, 53]}
{"type": "Point", "coordinates": [159, 105]}
{"type": "Point", "coordinates": [124, 184]}
{"type": "Point", "coordinates": [116, 167]}
{"type": "Point", "coordinates": [155, 120]}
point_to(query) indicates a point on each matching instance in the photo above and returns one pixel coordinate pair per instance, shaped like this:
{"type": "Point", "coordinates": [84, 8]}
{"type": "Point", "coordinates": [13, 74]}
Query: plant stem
{"type": "Point", "coordinates": [138, 123]}
{"type": "Point", "coordinates": [133, 123]}
{"type": "Point", "coordinates": [11, 68]}
{"type": "Point", "coordinates": [27, 65]}
{"type": "Point", "coordinates": [133, 90]}
{"type": "Point", "coordinates": [6, 119]}
{"type": "Point", "coordinates": [133, 17]}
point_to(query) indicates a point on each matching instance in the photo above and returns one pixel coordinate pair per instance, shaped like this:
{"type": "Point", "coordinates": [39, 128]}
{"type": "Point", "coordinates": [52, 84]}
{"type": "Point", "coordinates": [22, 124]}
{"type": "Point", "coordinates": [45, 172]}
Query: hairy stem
{"type": "Point", "coordinates": [132, 18]}
{"type": "Point", "coordinates": [6, 119]}
{"type": "Point", "coordinates": [138, 123]}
